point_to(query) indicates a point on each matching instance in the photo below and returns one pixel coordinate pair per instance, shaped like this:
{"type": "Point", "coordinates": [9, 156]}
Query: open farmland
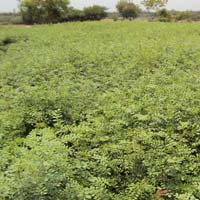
{"type": "Point", "coordinates": [100, 111]}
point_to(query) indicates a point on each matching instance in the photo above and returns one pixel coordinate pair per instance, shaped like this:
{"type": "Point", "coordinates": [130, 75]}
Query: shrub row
{"type": "Point", "coordinates": [100, 111]}
{"type": "Point", "coordinates": [164, 15]}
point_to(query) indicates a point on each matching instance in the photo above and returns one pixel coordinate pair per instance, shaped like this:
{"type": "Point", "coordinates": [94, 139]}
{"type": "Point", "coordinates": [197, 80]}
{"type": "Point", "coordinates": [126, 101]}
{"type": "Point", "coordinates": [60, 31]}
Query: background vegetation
{"type": "Point", "coordinates": [128, 9]}
{"type": "Point", "coordinates": [57, 11]}
{"type": "Point", "coordinates": [10, 18]}
{"type": "Point", "coordinates": [103, 111]}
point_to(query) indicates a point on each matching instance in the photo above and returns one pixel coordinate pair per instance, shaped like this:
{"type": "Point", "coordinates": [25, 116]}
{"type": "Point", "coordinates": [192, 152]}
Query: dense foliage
{"type": "Point", "coordinates": [128, 9]}
{"type": "Point", "coordinates": [100, 110]}
{"type": "Point", "coordinates": [54, 11]}
{"type": "Point", "coordinates": [94, 12]}
{"type": "Point", "coordinates": [74, 15]}
{"type": "Point", "coordinates": [43, 11]}
{"type": "Point", "coordinates": [165, 15]}
{"type": "Point", "coordinates": [185, 16]}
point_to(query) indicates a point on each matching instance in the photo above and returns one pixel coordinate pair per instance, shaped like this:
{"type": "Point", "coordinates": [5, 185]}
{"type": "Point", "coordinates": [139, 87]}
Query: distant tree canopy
{"type": "Point", "coordinates": [74, 15]}
{"type": "Point", "coordinates": [52, 11]}
{"type": "Point", "coordinates": [121, 4]}
{"type": "Point", "coordinates": [95, 12]}
{"type": "Point", "coordinates": [127, 9]}
{"type": "Point", "coordinates": [154, 4]}
{"type": "Point", "coordinates": [163, 15]}
{"type": "Point", "coordinates": [43, 11]}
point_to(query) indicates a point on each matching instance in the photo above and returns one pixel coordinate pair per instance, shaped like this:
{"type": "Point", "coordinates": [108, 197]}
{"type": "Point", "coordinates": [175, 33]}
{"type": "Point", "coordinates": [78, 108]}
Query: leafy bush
{"type": "Point", "coordinates": [114, 16]}
{"type": "Point", "coordinates": [184, 16]}
{"type": "Point", "coordinates": [39, 11]}
{"type": "Point", "coordinates": [95, 12]}
{"type": "Point", "coordinates": [127, 9]}
{"type": "Point", "coordinates": [74, 15]}
{"type": "Point", "coordinates": [100, 111]}
{"type": "Point", "coordinates": [163, 15]}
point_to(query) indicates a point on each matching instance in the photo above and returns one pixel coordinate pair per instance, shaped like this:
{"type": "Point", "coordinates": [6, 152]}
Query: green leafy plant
{"type": "Point", "coordinates": [100, 110]}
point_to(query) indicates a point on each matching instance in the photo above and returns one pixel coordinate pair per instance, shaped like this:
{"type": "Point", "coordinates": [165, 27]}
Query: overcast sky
{"type": "Point", "coordinates": [9, 5]}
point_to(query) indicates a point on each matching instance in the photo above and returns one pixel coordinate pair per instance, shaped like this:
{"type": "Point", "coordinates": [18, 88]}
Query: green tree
{"type": "Point", "coordinates": [75, 15]}
{"type": "Point", "coordinates": [120, 5]}
{"type": "Point", "coordinates": [164, 15]}
{"type": "Point", "coordinates": [95, 12]}
{"type": "Point", "coordinates": [43, 11]}
{"type": "Point", "coordinates": [127, 9]}
{"type": "Point", "coordinates": [154, 4]}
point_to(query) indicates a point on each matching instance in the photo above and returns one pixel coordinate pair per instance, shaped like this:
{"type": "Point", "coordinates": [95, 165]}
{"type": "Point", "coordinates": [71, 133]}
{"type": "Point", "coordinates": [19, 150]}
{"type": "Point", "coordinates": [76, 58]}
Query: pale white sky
{"type": "Point", "coordinates": [9, 5]}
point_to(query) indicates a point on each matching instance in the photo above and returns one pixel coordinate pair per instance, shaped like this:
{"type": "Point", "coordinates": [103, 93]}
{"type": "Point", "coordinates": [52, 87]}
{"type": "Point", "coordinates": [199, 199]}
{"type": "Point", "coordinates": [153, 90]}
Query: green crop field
{"type": "Point", "coordinates": [100, 111]}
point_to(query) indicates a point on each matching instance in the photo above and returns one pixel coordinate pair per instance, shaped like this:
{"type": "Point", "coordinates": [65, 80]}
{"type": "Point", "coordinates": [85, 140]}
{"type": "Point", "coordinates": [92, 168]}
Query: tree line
{"type": "Point", "coordinates": [54, 11]}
